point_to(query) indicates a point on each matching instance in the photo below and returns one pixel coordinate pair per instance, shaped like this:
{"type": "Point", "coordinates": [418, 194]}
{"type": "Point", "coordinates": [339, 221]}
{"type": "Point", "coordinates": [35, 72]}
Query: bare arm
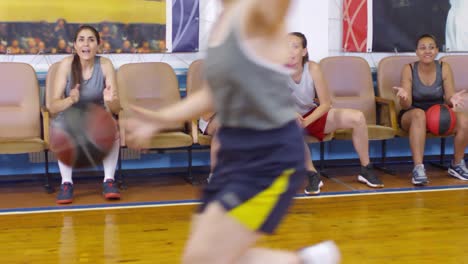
{"type": "Point", "coordinates": [189, 108]}
{"type": "Point", "coordinates": [111, 83]}
{"type": "Point", "coordinates": [448, 83]}
{"type": "Point", "coordinates": [322, 94]}
{"type": "Point", "coordinates": [406, 87]}
{"type": "Point", "coordinates": [58, 103]}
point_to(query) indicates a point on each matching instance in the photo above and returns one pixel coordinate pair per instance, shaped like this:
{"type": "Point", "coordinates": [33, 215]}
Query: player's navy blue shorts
{"type": "Point", "coordinates": [257, 174]}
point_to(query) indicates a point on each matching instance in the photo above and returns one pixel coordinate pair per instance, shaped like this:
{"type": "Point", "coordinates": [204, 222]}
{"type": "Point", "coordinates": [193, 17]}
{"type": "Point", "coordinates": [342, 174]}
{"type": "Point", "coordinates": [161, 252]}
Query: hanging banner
{"type": "Point", "coordinates": [185, 25]}
{"type": "Point", "coordinates": [395, 25]}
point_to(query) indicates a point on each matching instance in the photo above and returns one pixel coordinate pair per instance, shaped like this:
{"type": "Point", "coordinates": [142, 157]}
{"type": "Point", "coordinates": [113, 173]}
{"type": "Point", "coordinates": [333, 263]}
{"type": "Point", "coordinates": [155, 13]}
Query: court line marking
{"type": "Point", "coordinates": [95, 207]}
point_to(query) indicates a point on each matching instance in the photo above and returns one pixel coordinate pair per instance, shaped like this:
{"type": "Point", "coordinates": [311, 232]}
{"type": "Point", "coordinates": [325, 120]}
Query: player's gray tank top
{"type": "Point", "coordinates": [425, 96]}
{"type": "Point", "coordinates": [91, 89]}
{"type": "Point", "coordinates": [303, 93]}
{"type": "Point", "coordinates": [248, 91]}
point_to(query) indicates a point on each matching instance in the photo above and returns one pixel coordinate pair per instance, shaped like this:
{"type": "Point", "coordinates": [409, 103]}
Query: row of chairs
{"type": "Point", "coordinates": [25, 123]}
{"type": "Point", "coordinates": [349, 79]}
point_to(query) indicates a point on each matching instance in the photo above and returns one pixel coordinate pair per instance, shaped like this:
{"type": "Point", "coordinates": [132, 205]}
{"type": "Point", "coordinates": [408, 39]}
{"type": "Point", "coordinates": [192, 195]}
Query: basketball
{"type": "Point", "coordinates": [440, 120]}
{"type": "Point", "coordinates": [83, 135]}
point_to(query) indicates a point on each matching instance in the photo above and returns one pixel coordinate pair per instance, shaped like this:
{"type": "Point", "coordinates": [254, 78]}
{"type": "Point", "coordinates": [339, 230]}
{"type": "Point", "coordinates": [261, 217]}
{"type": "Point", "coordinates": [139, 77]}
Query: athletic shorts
{"type": "Point", "coordinates": [257, 174]}
{"type": "Point", "coordinates": [316, 128]}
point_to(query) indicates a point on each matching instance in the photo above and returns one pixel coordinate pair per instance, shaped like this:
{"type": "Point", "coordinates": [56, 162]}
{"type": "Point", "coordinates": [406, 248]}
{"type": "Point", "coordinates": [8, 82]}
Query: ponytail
{"type": "Point", "coordinates": [76, 71]}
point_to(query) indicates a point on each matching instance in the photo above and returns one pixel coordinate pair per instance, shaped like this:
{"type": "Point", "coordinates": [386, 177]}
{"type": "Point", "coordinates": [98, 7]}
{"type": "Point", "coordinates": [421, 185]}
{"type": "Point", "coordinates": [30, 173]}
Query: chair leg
{"type": "Point", "coordinates": [189, 178]}
{"type": "Point", "coordinates": [120, 175]}
{"type": "Point", "coordinates": [47, 186]}
{"type": "Point", "coordinates": [381, 166]}
{"type": "Point", "coordinates": [441, 164]}
{"type": "Point", "coordinates": [322, 170]}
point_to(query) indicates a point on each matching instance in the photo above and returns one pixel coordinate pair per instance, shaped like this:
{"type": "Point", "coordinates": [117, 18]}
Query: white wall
{"type": "Point", "coordinates": [311, 18]}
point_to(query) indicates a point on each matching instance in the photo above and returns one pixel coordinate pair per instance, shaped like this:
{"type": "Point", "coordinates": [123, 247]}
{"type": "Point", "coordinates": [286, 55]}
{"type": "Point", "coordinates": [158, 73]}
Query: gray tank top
{"type": "Point", "coordinates": [424, 96]}
{"type": "Point", "coordinates": [91, 89]}
{"type": "Point", "coordinates": [303, 93]}
{"type": "Point", "coordinates": [248, 91]}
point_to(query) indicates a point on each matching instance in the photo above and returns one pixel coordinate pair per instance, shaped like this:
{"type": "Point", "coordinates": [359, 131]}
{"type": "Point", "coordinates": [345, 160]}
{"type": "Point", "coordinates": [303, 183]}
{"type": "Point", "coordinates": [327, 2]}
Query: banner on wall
{"type": "Point", "coordinates": [125, 26]}
{"type": "Point", "coordinates": [185, 25]}
{"type": "Point", "coordinates": [394, 25]}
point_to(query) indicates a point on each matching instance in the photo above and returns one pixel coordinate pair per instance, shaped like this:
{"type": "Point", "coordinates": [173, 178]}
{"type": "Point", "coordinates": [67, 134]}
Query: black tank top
{"type": "Point", "coordinates": [424, 96]}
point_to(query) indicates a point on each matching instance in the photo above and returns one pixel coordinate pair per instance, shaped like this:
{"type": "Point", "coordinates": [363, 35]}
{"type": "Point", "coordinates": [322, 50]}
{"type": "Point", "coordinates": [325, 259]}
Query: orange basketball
{"type": "Point", "coordinates": [440, 120]}
{"type": "Point", "coordinates": [83, 136]}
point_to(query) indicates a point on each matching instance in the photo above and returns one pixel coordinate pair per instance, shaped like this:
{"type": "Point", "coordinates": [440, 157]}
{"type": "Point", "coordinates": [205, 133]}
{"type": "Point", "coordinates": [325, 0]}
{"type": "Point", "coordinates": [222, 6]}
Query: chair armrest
{"type": "Point", "coordinates": [45, 116]}
{"type": "Point", "coordinates": [194, 130]}
{"type": "Point", "coordinates": [392, 110]}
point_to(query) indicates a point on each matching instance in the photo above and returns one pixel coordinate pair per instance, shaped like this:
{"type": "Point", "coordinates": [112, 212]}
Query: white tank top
{"type": "Point", "coordinates": [303, 93]}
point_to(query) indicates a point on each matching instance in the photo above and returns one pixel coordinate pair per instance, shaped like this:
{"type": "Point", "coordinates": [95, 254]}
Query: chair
{"type": "Point", "coordinates": [458, 64]}
{"type": "Point", "coordinates": [153, 85]}
{"type": "Point", "coordinates": [388, 76]}
{"type": "Point", "coordinates": [23, 128]}
{"type": "Point", "coordinates": [349, 79]}
{"type": "Point", "coordinates": [194, 83]}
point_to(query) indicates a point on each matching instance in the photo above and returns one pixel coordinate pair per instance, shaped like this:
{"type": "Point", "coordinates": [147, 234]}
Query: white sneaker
{"type": "Point", "coordinates": [324, 253]}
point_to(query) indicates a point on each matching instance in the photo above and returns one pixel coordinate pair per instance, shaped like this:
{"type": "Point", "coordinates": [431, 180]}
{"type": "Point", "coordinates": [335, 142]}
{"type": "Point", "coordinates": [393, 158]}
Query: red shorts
{"type": "Point", "coordinates": [316, 128]}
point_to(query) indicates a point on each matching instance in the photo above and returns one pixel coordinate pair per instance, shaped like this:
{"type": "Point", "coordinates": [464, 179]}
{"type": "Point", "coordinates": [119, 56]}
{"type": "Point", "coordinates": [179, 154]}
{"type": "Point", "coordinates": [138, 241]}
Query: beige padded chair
{"type": "Point", "coordinates": [349, 79]}
{"type": "Point", "coordinates": [153, 85]}
{"type": "Point", "coordinates": [388, 76]}
{"type": "Point", "coordinates": [194, 83]}
{"type": "Point", "coordinates": [459, 64]}
{"type": "Point", "coordinates": [22, 130]}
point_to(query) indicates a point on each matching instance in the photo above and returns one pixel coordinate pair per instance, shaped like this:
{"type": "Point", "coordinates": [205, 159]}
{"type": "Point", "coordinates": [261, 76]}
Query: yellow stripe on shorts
{"type": "Point", "coordinates": [253, 212]}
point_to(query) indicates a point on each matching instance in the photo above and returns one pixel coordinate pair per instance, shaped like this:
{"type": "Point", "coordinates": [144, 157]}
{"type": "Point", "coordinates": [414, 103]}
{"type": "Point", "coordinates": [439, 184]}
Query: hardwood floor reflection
{"type": "Point", "coordinates": [421, 227]}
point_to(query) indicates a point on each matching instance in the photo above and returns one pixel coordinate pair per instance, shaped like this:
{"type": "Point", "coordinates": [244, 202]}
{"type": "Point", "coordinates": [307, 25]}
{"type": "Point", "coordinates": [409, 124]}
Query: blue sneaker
{"type": "Point", "coordinates": [65, 195]}
{"type": "Point", "coordinates": [458, 171]}
{"type": "Point", "coordinates": [419, 175]}
{"type": "Point", "coordinates": [110, 190]}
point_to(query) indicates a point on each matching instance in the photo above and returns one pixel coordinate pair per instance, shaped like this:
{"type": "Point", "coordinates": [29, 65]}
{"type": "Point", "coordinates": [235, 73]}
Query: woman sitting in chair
{"type": "Point", "coordinates": [82, 78]}
{"type": "Point", "coordinates": [306, 83]}
{"type": "Point", "coordinates": [423, 84]}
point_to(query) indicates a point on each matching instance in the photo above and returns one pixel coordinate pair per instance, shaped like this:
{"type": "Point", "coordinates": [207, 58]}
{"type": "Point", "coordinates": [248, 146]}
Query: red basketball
{"type": "Point", "coordinates": [440, 120]}
{"type": "Point", "coordinates": [82, 136]}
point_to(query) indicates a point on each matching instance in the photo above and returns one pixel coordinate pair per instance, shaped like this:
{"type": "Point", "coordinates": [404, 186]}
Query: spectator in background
{"type": "Point", "coordinates": [15, 48]}
{"type": "Point", "coordinates": [145, 47]}
{"type": "Point", "coordinates": [126, 47]}
{"type": "Point", "coordinates": [62, 47]}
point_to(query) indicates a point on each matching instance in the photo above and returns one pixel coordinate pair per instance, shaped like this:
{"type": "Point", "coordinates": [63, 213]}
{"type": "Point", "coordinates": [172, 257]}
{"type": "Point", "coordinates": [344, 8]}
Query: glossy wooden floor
{"type": "Point", "coordinates": [427, 227]}
{"type": "Point", "coordinates": [416, 227]}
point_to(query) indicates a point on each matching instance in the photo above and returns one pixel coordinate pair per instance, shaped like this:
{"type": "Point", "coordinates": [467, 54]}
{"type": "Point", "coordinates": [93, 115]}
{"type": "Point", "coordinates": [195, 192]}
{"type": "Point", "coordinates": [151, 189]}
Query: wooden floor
{"type": "Point", "coordinates": [424, 225]}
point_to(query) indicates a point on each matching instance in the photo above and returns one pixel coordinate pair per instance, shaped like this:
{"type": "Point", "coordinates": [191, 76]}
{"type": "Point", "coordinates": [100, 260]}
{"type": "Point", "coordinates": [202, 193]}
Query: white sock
{"type": "Point", "coordinates": [65, 172]}
{"type": "Point", "coordinates": [110, 162]}
{"type": "Point", "coordinates": [419, 166]}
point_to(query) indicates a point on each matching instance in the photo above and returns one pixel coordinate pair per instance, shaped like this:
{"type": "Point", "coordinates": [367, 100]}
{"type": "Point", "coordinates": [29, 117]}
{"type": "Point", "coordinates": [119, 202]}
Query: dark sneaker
{"type": "Point", "coordinates": [315, 183]}
{"type": "Point", "coordinates": [110, 190]}
{"type": "Point", "coordinates": [419, 175]}
{"type": "Point", "coordinates": [367, 176]}
{"type": "Point", "coordinates": [65, 195]}
{"type": "Point", "coordinates": [459, 171]}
